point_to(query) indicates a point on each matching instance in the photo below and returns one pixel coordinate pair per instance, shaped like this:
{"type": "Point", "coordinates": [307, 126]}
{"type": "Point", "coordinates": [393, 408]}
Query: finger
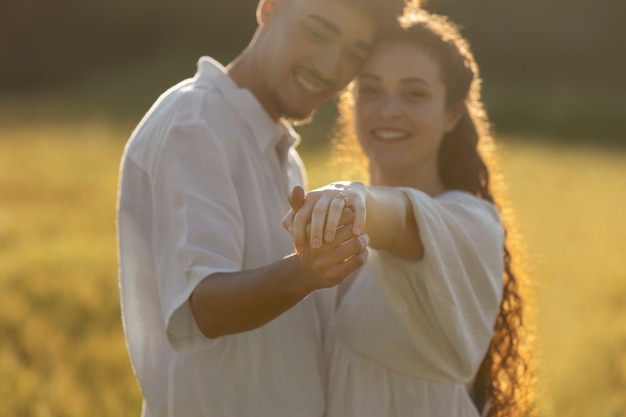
{"type": "Point", "coordinates": [288, 221]}
{"type": "Point", "coordinates": [332, 218]}
{"type": "Point", "coordinates": [347, 216]}
{"type": "Point", "coordinates": [296, 197]}
{"type": "Point", "coordinates": [337, 273]}
{"type": "Point", "coordinates": [300, 223]}
{"type": "Point", "coordinates": [318, 220]}
{"type": "Point", "coordinates": [338, 251]}
{"type": "Point", "coordinates": [337, 263]}
{"type": "Point", "coordinates": [342, 235]}
{"type": "Point", "coordinates": [359, 216]}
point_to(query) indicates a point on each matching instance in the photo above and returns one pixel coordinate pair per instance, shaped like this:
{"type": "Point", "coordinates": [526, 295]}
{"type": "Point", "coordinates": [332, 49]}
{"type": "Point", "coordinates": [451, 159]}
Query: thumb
{"type": "Point", "coordinates": [296, 197]}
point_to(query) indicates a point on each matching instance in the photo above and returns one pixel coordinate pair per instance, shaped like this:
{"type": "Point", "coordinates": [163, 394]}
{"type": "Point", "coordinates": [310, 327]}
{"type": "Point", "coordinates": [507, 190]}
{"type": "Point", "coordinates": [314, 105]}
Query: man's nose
{"type": "Point", "coordinates": [327, 62]}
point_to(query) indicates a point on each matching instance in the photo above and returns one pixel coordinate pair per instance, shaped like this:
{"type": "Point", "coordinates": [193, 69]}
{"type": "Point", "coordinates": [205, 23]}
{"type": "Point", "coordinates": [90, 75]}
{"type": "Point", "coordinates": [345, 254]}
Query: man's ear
{"type": "Point", "coordinates": [454, 113]}
{"type": "Point", "coordinates": [265, 11]}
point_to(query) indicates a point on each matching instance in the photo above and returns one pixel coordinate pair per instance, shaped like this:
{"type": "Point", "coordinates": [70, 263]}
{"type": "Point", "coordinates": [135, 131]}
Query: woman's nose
{"type": "Point", "coordinates": [389, 107]}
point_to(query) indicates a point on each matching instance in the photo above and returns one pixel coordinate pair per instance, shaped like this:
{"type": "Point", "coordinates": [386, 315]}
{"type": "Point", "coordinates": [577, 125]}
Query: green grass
{"type": "Point", "coordinates": [63, 352]}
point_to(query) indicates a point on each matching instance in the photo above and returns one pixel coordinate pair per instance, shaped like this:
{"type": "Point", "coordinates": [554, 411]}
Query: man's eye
{"type": "Point", "coordinates": [357, 57]}
{"type": "Point", "coordinates": [315, 34]}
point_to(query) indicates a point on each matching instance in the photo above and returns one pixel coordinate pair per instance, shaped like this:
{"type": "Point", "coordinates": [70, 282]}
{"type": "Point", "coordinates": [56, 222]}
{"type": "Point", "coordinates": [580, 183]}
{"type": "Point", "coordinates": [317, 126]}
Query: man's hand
{"type": "Point", "coordinates": [331, 262]}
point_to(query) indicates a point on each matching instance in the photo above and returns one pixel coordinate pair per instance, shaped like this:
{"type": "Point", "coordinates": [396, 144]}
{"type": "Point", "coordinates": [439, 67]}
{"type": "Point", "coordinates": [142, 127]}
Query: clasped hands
{"type": "Point", "coordinates": [327, 224]}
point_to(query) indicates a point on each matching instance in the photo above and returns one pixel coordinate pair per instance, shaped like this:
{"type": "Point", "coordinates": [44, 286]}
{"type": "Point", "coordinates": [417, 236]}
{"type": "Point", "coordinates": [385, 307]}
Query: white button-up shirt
{"type": "Point", "coordinates": [203, 190]}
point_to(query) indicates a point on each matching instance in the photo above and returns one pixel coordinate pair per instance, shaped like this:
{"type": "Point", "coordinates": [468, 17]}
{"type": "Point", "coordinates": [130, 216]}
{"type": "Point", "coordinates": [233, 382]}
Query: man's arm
{"type": "Point", "coordinates": [227, 303]}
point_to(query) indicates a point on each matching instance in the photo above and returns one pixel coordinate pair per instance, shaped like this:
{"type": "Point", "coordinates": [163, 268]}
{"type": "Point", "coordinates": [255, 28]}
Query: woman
{"type": "Point", "coordinates": [432, 325]}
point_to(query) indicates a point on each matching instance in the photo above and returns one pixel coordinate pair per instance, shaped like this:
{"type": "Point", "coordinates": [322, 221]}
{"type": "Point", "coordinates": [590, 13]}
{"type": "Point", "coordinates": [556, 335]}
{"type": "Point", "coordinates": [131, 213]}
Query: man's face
{"type": "Point", "coordinates": [307, 51]}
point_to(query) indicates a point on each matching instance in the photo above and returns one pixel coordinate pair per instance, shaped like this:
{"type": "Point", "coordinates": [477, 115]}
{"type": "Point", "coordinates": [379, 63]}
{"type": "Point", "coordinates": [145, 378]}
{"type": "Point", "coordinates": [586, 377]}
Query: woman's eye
{"type": "Point", "coordinates": [367, 91]}
{"type": "Point", "coordinates": [415, 94]}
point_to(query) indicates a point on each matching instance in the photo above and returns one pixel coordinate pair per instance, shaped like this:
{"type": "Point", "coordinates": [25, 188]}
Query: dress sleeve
{"type": "Point", "coordinates": [198, 227]}
{"type": "Point", "coordinates": [448, 302]}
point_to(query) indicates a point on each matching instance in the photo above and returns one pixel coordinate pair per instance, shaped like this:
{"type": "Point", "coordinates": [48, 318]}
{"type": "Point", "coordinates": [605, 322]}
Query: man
{"type": "Point", "coordinates": [216, 314]}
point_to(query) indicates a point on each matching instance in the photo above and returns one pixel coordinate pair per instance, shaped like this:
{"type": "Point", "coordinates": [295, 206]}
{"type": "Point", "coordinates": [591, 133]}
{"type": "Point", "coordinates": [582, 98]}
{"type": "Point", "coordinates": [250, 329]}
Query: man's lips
{"type": "Point", "coordinates": [311, 82]}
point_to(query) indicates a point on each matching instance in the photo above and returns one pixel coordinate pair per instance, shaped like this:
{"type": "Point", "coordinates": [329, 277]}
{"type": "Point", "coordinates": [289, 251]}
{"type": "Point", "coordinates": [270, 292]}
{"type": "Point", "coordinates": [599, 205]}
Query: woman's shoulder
{"type": "Point", "coordinates": [458, 195]}
{"type": "Point", "coordinates": [464, 197]}
{"type": "Point", "coordinates": [467, 201]}
{"type": "Point", "coordinates": [451, 198]}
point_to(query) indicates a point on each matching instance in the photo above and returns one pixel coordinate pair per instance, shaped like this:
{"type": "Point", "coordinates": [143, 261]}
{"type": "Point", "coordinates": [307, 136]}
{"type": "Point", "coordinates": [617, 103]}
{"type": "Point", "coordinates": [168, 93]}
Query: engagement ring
{"type": "Point", "coordinates": [342, 196]}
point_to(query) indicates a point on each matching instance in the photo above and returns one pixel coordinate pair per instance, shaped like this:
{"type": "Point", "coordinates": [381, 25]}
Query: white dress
{"type": "Point", "coordinates": [406, 337]}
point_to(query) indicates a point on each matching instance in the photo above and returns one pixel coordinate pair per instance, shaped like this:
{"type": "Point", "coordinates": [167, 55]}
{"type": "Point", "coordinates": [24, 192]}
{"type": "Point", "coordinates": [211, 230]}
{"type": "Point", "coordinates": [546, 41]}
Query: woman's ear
{"type": "Point", "coordinates": [265, 10]}
{"type": "Point", "coordinates": [453, 115]}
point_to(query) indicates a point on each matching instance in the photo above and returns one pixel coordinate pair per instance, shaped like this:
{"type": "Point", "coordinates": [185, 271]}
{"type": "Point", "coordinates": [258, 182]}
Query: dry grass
{"type": "Point", "coordinates": [571, 204]}
{"type": "Point", "coordinates": [62, 353]}
{"type": "Point", "coordinates": [62, 350]}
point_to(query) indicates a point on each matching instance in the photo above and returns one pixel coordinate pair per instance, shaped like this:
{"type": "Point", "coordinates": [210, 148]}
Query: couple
{"type": "Point", "coordinates": [222, 319]}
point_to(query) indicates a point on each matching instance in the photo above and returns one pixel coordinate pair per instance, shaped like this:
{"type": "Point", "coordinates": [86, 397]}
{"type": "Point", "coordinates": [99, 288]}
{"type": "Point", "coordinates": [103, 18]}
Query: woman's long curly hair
{"type": "Point", "coordinates": [504, 384]}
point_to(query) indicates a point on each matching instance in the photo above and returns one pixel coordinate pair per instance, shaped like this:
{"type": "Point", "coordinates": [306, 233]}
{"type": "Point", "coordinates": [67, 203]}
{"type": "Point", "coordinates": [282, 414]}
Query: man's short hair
{"type": "Point", "coordinates": [382, 12]}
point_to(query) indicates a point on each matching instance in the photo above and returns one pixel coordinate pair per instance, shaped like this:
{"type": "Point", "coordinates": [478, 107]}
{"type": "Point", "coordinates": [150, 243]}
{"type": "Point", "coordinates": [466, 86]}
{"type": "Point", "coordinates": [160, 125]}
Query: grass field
{"type": "Point", "coordinates": [62, 351]}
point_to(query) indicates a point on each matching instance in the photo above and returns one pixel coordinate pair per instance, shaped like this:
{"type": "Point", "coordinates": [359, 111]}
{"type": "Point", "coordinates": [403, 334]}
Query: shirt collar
{"type": "Point", "coordinates": [267, 132]}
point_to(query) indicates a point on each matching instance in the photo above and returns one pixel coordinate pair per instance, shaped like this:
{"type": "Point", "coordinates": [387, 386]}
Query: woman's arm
{"type": "Point", "coordinates": [391, 223]}
{"type": "Point", "coordinates": [384, 213]}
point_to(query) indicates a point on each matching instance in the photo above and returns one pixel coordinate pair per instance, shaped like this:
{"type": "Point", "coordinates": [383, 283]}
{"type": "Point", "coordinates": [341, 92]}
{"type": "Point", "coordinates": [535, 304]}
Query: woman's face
{"type": "Point", "coordinates": [400, 113]}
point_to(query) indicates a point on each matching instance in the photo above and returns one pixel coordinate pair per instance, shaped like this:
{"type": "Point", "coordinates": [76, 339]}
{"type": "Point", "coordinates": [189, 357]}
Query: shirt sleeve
{"type": "Point", "coordinates": [448, 301]}
{"type": "Point", "coordinates": [198, 227]}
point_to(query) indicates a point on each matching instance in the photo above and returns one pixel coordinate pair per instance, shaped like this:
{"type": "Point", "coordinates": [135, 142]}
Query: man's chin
{"type": "Point", "coordinates": [298, 118]}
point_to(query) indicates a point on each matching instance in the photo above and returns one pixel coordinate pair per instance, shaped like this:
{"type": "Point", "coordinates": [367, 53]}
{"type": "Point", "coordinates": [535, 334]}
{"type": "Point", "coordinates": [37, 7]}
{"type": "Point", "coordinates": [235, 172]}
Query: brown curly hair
{"type": "Point", "coordinates": [467, 161]}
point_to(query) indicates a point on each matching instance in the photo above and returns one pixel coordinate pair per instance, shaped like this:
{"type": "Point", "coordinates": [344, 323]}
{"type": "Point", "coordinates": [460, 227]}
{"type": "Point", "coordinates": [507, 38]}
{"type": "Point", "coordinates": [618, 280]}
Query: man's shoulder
{"type": "Point", "coordinates": [190, 101]}
{"type": "Point", "coordinates": [209, 102]}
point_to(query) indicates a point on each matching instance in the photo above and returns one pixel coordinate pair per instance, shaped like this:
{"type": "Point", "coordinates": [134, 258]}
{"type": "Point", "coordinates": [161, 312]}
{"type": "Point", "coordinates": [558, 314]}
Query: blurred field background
{"type": "Point", "coordinates": [75, 79]}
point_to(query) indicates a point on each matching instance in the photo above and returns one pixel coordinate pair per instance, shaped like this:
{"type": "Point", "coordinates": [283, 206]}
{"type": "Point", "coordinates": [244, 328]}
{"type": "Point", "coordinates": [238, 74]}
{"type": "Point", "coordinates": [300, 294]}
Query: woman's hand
{"type": "Point", "coordinates": [320, 213]}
